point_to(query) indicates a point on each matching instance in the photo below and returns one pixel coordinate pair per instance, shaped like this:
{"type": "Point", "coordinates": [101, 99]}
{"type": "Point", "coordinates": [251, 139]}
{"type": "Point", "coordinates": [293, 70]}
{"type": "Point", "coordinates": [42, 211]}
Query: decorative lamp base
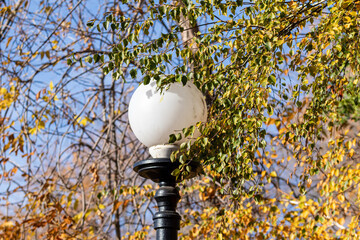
{"type": "Point", "coordinates": [166, 220]}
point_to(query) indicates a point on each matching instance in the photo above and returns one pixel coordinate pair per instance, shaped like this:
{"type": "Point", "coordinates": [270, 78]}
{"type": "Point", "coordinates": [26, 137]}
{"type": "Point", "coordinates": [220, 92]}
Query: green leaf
{"type": "Point", "coordinates": [172, 138]}
{"type": "Point", "coordinates": [133, 73]}
{"type": "Point", "coordinates": [268, 46]}
{"type": "Point", "coordinates": [184, 79]}
{"type": "Point", "coordinates": [272, 79]}
{"type": "Point", "coordinates": [106, 25]}
{"type": "Point", "coordinates": [113, 27]}
{"type": "Point", "coordinates": [205, 141]}
{"type": "Point", "coordinates": [90, 23]}
{"type": "Point", "coordinates": [146, 80]}
{"type": "Point", "coordinates": [88, 59]}
{"type": "Point", "coordinates": [178, 78]}
{"type": "Point", "coordinates": [178, 136]}
{"type": "Point", "coordinates": [176, 172]}
{"type": "Point", "coordinates": [96, 58]}
{"type": "Point", "coordinates": [189, 131]}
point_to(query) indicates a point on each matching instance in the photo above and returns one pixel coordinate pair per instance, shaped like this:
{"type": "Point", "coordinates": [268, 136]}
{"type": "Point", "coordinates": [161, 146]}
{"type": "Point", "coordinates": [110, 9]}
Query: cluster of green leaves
{"type": "Point", "coordinates": [260, 64]}
{"type": "Point", "coordinates": [348, 107]}
{"type": "Point", "coordinates": [236, 62]}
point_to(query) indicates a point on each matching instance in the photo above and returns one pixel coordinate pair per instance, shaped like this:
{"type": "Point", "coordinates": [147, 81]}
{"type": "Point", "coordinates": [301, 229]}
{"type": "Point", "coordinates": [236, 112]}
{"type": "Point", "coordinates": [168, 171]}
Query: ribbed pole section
{"type": "Point", "coordinates": [167, 220]}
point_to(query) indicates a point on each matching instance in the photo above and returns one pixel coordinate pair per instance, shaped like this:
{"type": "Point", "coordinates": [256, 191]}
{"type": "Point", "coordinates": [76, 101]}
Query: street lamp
{"type": "Point", "coordinates": [153, 116]}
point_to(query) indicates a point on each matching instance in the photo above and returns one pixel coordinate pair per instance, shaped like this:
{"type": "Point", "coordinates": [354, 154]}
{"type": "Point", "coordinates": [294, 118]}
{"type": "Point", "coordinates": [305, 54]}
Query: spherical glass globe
{"type": "Point", "coordinates": [154, 116]}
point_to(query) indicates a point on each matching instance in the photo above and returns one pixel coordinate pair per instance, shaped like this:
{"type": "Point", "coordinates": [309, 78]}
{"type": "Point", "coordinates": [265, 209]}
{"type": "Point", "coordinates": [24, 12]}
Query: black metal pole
{"type": "Point", "coordinates": [166, 220]}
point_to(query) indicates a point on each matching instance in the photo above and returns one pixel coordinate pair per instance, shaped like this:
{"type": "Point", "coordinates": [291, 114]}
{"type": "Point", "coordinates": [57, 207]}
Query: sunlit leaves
{"type": "Point", "coordinates": [279, 149]}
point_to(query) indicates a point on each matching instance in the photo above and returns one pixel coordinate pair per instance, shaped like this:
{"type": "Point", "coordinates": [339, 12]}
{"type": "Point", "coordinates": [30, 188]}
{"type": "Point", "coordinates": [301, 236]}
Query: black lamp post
{"type": "Point", "coordinates": [166, 220]}
{"type": "Point", "coordinates": [153, 117]}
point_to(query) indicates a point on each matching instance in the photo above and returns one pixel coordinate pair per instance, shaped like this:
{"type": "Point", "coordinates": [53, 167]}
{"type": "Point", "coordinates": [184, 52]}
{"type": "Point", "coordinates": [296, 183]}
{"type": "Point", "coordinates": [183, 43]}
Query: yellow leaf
{"type": "Point", "coordinates": [117, 205]}
{"type": "Point", "coordinates": [51, 85]}
{"type": "Point", "coordinates": [77, 217]}
{"type": "Point", "coordinates": [8, 41]}
{"type": "Point", "coordinates": [3, 91]}
{"type": "Point", "coordinates": [341, 221]}
{"type": "Point", "coordinates": [270, 121]}
{"type": "Point", "coordinates": [88, 213]}
{"type": "Point", "coordinates": [64, 236]}
{"type": "Point", "coordinates": [76, 204]}
{"type": "Point", "coordinates": [308, 184]}
{"type": "Point", "coordinates": [7, 224]}
{"type": "Point", "coordinates": [32, 131]}
{"type": "Point", "coordinates": [273, 174]}
{"type": "Point", "coordinates": [351, 153]}
{"type": "Point", "coordinates": [83, 122]}
{"type": "Point", "coordinates": [91, 230]}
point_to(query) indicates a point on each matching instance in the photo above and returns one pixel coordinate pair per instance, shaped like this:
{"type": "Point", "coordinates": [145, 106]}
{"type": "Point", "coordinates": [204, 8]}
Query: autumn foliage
{"type": "Point", "coordinates": [279, 150]}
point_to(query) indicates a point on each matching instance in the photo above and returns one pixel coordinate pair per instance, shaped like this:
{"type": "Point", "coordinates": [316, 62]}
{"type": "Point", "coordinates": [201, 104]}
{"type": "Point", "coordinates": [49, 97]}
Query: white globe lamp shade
{"type": "Point", "coordinates": [154, 116]}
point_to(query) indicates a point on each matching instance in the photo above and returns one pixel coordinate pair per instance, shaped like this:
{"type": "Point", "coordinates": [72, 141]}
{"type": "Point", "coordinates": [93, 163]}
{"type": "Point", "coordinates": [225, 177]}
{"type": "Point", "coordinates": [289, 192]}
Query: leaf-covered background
{"type": "Point", "coordinates": [279, 149]}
